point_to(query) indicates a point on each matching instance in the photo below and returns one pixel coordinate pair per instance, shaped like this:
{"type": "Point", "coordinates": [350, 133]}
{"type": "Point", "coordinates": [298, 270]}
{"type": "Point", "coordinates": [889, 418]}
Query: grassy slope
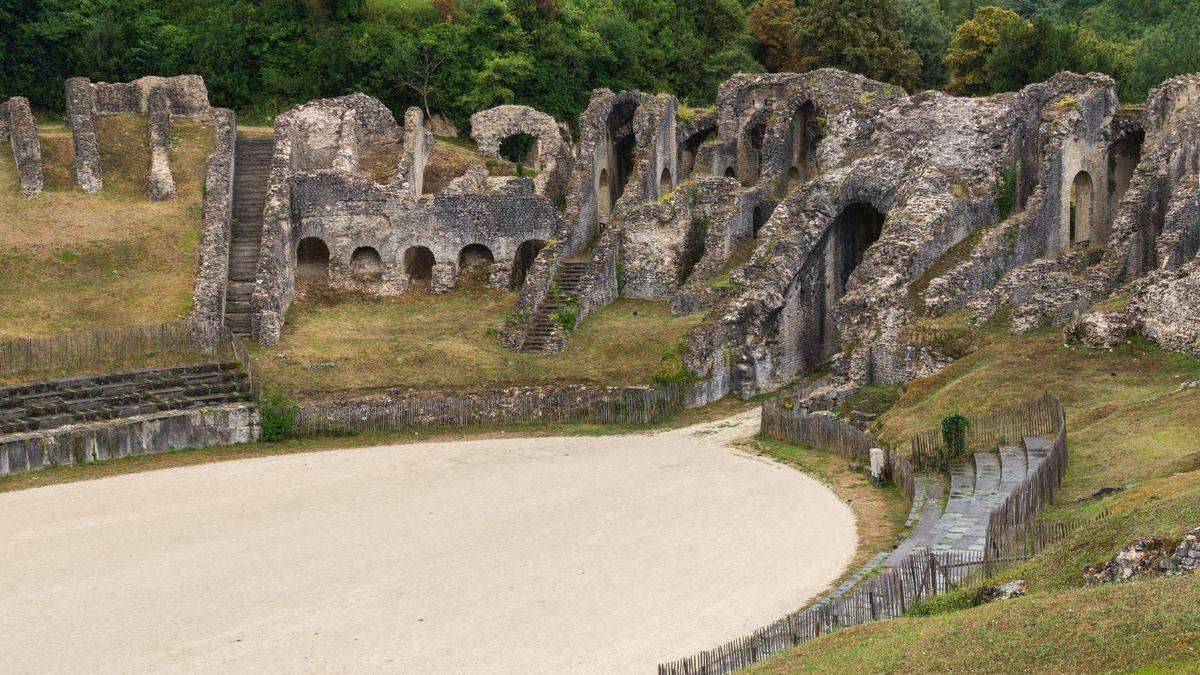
{"type": "Point", "coordinates": [448, 342]}
{"type": "Point", "coordinates": [73, 261]}
{"type": "Point", "coordinates": [1153, 623]}
{"type": "Point", "coordinates": [1129, 424]}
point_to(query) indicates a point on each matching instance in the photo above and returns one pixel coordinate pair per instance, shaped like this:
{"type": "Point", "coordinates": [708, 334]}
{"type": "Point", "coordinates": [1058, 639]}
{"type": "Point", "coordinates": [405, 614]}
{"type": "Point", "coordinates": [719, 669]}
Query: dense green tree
{"type": "Point", "coordinates": [861, 36]}
{"type": "Point", "coordinates": [928, 32]}
{"type": "Point", "coordinates": [972, 47]}
{"type": "Point", "coordinates": [774, 23]}
{"type": "Point", "coordinates": [1034, 52]}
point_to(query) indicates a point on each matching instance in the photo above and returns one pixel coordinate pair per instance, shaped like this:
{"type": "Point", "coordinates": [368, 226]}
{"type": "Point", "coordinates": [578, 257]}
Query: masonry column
{"type": "Point", "coordinates": [162, 183]}
{"type": "Point", "coordinates": [81, 116]}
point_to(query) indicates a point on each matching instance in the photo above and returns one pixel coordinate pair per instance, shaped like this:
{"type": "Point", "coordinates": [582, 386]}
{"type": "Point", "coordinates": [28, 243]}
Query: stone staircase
{"type": "Point", "coordinates": [567, 281]}
{"type": "Point", "coordinates": [979, 484]}
{"type": "Point", "coordinates": [252, 167]}
{"type": "Point", "coordinates": [57, 403]}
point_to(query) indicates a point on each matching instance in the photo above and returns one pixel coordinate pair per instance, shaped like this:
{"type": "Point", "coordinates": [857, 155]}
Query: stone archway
{"type": "Point", "coordinates": [1082, 214]}
{"type": "Point", "coordinates": [475, 254]}
{"type": "Point", "coordinates": [366, 265]}
{"type": "Point", "coordinates": [418, 264]}
{"type": "Point", "coordinates": [665, 185]}
{"type": "Point", "coordinates": [730, 173]}
{"type": "Point", "coordinates": [312, 260]}
{"type": "Point", "coordinates": [527, 252]}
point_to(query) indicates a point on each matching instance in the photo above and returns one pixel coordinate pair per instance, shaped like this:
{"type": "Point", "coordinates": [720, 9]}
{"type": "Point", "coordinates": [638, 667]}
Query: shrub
{"type": "Point", "coordinates": [278, 412]}
{"type": "Point", "coordinates": [1006, 192]}
{"type": "Point", "coordinates": [954, 438]}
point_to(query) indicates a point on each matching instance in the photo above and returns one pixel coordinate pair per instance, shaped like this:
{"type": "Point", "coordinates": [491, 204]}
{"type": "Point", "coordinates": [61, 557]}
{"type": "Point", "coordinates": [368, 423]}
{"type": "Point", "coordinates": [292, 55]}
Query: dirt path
{"type": "Point", "coordinates": [505, 555]}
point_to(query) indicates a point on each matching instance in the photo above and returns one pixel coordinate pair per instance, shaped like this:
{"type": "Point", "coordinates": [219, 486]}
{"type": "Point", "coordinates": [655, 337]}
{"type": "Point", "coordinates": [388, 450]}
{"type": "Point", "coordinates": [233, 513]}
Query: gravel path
{"type": "Point", "coordinates": [603, 554]}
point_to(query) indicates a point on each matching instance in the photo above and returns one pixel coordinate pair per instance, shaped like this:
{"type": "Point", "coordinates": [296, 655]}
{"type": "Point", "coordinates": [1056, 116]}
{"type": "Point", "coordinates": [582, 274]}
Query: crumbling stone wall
{"type": "Point", "coordinates": [18, 128]}
{"type": "Point", "coordinates": [159, 98]}
{"type": "Point", "coordinates": [322, 185]}
{"type": "Point", "coordinates": [552, 158]}
{"type": "Point", "coordinates": [208, 297]}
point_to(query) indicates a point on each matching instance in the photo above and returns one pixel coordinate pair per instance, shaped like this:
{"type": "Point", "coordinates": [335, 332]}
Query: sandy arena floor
{"type": "Point", "coordinates": [604, 554]}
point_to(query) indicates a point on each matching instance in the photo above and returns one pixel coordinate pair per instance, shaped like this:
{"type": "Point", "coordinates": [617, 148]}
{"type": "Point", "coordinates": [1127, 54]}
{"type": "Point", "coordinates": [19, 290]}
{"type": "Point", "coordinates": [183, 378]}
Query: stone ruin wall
{"type": "Point", "coordinates": [19, 129]}
{"type": "Point", "coordinates": [158, 98]}
{"type": "Point", "coordinates": [552, 159]}
{"type": "Point", "coordinates": [326, 182]}
{"type": "Point", "coordinates": [208, 296]}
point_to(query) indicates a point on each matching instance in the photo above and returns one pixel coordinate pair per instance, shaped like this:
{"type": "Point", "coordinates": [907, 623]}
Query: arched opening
{"type": "Point", "coordinates": [693, 248]}
{"type": "Point", "coordinates": [805, 137]}
{"type": "Point", "coordinates": [522, 150]}
{"type": "Point", "coordinates": [729, 173]}
{"type": "Point", "coordinates": [621, 142]}
{"type": "Point", "coordinates": [855, 229]}
{"type": "Point", "coordinates": [474, 255]}
{"type": "Point", "coordinates": [762, 213]}
{"type": "Point", "coordinates": [418, 264]}
{"type": "Point", "coordinates": [664, 183]}
{"type": "Point", "coordinates": [754, 161]}
{"type": "Point", "coordinates": [527, 252]}
{"type": "Point", "coordinates": [1123, 157]}
{"type": "Point", "coordinates": [366, 265]}
{"type": "Point", "coordinates": [689, 149]}
{"type": "Point", "coordinates": [1082, 208]}
{"type": "Point", "coordinates": [604, 200]}
{"type": "Point", "coordinates": [312, 260]}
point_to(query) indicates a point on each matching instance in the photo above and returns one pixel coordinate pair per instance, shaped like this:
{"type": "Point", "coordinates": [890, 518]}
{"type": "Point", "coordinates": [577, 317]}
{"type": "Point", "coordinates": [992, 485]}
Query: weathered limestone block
{"type": "Point", "coordinates": [27, 150]}
{"type": "Point", "coordinates": [418, 143]}
{"type": "Point", "coordinates": [551, 156]}
{"type": "Point", "coordinates": [161, 182]}
{"type": "Point", "coordinates": [1187, 555]}
{"type": "Point", "coordinates": [500, 275]}
{"type": "Point", "coordinates": [440, 125]}
{"type": "Point", "coordinates": [1100, 330]}
{"type": "Point", "coordinates": [445, 277]}
{"type": "Point", "coordinates": [1166, 307]}
{"type": "Point", "coordinates": [81, 117]}
{"type": "Point", "coordinates": [474, 181]}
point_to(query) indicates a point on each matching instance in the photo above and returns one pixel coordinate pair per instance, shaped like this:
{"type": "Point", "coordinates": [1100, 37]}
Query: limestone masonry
{"type": "Point", "coordinates": [813, 218]}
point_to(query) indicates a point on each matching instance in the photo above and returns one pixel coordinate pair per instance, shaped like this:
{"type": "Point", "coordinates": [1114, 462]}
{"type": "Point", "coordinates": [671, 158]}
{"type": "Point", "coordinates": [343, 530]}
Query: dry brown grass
{"type": "Point", "coordinates": [73, 261]}
{"type": "Point", "coordinates": [448, 342]}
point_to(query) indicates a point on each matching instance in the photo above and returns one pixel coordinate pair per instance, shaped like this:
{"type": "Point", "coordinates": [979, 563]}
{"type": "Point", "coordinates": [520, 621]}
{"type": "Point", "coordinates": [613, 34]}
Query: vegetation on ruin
{"type": "Point", "coordinates": [73, 261]}
{"type": "Point", "coordinates": [1131, 426]}
{"type": "Point", "coordinates": [341, 343]}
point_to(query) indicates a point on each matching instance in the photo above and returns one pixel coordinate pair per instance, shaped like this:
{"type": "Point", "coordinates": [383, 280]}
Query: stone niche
{"type": "Point", "coordinates": [159, 98]}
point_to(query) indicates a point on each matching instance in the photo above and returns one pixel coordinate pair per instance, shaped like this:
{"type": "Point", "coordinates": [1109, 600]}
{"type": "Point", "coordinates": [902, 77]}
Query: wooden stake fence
{"type": "Point", "coordinates": [80, 350]}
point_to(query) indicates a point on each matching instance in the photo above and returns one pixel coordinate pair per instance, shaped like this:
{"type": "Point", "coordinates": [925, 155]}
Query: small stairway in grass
{"type": "Point", "coordinates": [979, 483]}
{"type": "Point", "coordinates": [567, 281]}
{"type": "Point", "coordinates": [252, 168]}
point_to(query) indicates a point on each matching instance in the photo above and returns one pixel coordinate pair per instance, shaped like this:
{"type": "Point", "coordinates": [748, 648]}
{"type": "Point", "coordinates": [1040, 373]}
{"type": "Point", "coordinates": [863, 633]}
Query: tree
{"type": "Point", "coordinates": [928, 32]}
{"type": "Point", "coordinates": [774, 24]}
{"type": "Point", "coordinates": [861, 36]}
{"type": "Point", "coordinates": [972, 46]}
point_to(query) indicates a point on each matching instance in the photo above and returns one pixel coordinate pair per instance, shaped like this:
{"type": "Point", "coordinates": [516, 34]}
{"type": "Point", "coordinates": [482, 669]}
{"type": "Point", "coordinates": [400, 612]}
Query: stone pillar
{"type": "Point", "coordinates": [81, 116]}
{"type": "Point", "coordinates": [445, 277]}
{"type": "Point", "coordinates": [161, 183]}
{"type": "Point", "coordinates": [4, 131]}
{"type": "Point", "coordinates": [26, 149]}
{"type": "Point", "coordinates": [878, 465]}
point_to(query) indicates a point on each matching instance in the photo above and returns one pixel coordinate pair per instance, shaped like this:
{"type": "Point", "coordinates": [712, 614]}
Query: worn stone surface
{"type": "Point", "coordinates": [162, 183]}
{"type": "Point", "coordinates": [81, 117]}
{"type": "Point", "coordinates": [445, 277]}
{"type": "Point", "coordinates": [1149, 556]}
{"type": "Point", "coordinates": [21, 131]}
{"type": "Point", "coordinates": [208, 296]}
{"type": "Point", "coordinates": [440, 125]}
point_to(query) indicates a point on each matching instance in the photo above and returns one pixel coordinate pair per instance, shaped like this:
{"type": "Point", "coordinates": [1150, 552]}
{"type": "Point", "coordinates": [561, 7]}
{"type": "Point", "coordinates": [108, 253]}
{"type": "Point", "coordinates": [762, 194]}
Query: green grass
{"type": "Point", "coordinates": [448, 342]}
{"type": "Point", "coordinates": [1128, 424]}
{"type": "Point", "coordinates": [74, 262]}
{"type": "Point", "coordinates": [1110, 628]}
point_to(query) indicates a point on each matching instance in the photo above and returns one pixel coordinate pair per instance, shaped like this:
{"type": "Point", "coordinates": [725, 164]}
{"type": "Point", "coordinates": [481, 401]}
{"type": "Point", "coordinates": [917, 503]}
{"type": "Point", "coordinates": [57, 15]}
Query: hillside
{"type": "Point", "coordinates": [74, 261]}
{"type": "Point", "coordinates": [1131, 426]}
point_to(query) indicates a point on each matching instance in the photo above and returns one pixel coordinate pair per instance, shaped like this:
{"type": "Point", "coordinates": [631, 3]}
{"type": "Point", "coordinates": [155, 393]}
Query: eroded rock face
{"type": "Point", "coordinates": [1166, 307]}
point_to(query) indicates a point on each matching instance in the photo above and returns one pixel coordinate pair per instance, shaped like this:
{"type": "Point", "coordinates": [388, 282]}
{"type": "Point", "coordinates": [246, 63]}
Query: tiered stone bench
{"type": "Point", "coordinates": [58, 403]}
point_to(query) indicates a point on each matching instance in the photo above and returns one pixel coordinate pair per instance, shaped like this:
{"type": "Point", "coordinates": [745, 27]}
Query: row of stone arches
{"type": "Point", "coordinates": [366, 265]}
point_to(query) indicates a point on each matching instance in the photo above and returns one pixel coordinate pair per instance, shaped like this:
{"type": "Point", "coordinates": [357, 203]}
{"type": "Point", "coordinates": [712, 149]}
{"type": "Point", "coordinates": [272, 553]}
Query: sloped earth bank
{"type": "Point", "coordinates": [603, 554]}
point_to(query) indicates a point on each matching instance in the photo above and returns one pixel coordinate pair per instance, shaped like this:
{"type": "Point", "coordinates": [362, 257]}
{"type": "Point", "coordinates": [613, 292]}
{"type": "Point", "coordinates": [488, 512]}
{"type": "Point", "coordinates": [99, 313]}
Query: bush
{"type": "Point", "coordinates": [278, 413]}
{"type": "Point", "coordinates": [954, 438]}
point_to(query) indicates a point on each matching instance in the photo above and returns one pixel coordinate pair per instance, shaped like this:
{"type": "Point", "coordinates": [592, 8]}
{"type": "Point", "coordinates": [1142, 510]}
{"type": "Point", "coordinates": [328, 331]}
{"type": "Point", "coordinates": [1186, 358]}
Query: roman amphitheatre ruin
{"type": "Point", "coordinates": [810, 240]}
